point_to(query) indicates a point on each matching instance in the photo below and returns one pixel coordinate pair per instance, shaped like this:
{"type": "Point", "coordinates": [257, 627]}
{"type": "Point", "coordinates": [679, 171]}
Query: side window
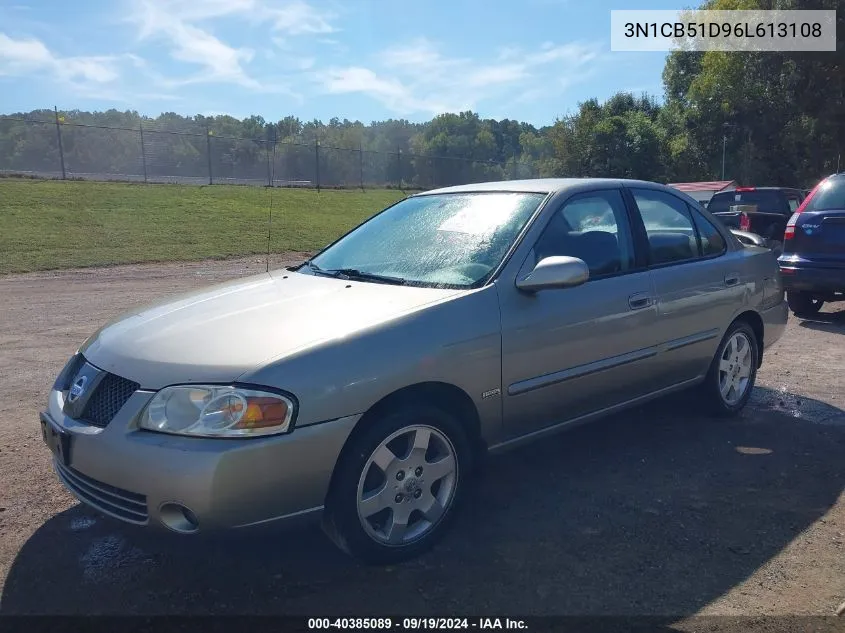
{"type": "Point", "coordinates": [668, 225]}
{"type": "Point", "coordinates": [794, 201]}
{"type": "Point", "coordinates": [712, 242]}
{"type": "Point", "coordinates": [591, 226]}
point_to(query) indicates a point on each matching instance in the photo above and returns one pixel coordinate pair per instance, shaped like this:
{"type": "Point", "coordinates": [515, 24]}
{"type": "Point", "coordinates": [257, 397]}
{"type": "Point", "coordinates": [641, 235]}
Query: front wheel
{"type": "Point", "coordinates": [733, 371]}
{"type": "Point", "coordinates": [803, 303]}
{"type": "Point", "coordinates": [396, 489]}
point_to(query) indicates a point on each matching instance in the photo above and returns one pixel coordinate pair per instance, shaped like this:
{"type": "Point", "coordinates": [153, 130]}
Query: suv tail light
{"type": "Point", "coordinates": [745, 189]}
{"type": "Point", "coordinates": [744, 222]}
{"type": "Point", "coordinates": [790, 226]}
{"type": "Point", "coordinates": [789, 233]}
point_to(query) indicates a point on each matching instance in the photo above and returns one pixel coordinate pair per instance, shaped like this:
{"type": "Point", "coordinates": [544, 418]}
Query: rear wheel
{"type": "Point", "coordinates": [396, 489]}
{"type": "Point", "coordinates": [803, 303]}
{"type": "Point", "coordinates": [733, 371]}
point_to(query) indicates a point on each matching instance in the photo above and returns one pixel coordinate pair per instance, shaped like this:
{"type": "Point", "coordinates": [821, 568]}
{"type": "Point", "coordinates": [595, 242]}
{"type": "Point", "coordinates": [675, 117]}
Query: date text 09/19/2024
{"type": "Point", "coordinates": [416, 623]}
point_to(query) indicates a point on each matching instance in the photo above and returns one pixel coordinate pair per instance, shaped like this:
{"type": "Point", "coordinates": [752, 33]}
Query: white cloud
{"type": "Point", "coordinates": [182, 25]}
{"type": "Point", "coordinates": [298, 18]}
{"type": "Point", "coordinates": [30, 56]}
{"type": "Point", "coordinates": [417, 77]}
{"type": "Point", "coordinates": [418, 54]}
{"type": "Point", "coordinates": [188, 43]}
{"type": "Point", "coordinates": [391, 92]}
{"type": "Point", "coordinates": [292, 17]}
{"type": "Point", "coordinates": [492, 75]}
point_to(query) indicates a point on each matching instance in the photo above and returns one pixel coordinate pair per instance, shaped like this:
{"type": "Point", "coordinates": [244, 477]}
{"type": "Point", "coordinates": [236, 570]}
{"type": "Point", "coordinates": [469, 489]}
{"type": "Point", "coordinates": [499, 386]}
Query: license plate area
{"type": "Point", "coordinates": [57, 440]}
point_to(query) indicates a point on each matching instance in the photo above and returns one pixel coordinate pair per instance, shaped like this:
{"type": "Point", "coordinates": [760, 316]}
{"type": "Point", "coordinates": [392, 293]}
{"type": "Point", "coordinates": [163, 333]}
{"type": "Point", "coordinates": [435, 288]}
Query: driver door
{"type": "Point", "coordinates": [573, 351]}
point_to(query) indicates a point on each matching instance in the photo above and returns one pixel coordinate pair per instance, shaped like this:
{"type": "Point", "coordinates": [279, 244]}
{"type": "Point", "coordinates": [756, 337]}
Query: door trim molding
{"type": "Point", "coordinates": [546, 380]}
{"type": "Point", "coordinates": [692, 339]}
{"type": "Point", "coordinates": [589, 417]}
{"type": "Point", "coordinates": [579, 371]}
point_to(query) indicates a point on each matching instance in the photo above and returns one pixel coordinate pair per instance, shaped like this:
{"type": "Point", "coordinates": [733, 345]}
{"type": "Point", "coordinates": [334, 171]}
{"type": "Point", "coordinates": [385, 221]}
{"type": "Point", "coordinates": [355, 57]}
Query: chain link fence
{"type": "Point", "coordinates": [67, 148]}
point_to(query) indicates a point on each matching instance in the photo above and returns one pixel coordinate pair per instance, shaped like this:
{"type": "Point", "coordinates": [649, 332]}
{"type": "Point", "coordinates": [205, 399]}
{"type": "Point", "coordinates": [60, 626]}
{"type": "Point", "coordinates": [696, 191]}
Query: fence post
{"type": "Point", "coordinates": [61, 149]}
{"type": "Point", "coordinates": [361, 165]}
{"type": "Point", "coordinates": [399, 165]}
{"type": "Point", "coordinates": [143, 151]}
{"type": "Point", "coordinates": [317, 161]}
{"type": "Point", "coordinates": [208, 152]}
{"type": "Point", "coordinates": [267, 152]}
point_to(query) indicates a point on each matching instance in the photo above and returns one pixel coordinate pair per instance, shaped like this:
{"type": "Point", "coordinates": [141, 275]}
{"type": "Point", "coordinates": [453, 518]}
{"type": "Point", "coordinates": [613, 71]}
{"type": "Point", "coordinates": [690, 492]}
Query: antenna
{"type": "Point", "coordinates": [272, 186]}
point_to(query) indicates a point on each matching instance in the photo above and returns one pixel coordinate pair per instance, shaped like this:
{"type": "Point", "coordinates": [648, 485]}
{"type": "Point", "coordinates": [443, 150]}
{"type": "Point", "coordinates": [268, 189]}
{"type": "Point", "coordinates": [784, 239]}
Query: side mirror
{"type": "Point", "coordinates": [555, 272]}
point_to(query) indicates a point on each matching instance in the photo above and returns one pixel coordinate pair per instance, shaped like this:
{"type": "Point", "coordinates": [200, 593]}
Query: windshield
{"type": "Point", "coordinates": [452, 240]}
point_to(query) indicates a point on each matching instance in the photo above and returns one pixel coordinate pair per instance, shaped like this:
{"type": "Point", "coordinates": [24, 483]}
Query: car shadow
{"type": "Point", "coordinates": [658, 511]}
{"type": "Point", "coordinates": [833, 322]}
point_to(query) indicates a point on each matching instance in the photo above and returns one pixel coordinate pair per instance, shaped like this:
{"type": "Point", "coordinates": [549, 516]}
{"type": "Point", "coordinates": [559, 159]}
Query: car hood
{"type": "Point", "coordinates": [219, 333]}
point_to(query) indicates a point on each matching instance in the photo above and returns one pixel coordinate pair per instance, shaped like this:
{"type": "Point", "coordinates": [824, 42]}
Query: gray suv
{"type": "Point", "coordinates": [365, 385]}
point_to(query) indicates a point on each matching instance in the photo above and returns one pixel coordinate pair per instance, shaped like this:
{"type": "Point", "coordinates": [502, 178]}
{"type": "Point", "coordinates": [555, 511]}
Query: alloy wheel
{"type": "Point", "coordinates": [735, 368]}
{"type": "Point", "coordinates": [407, 485]}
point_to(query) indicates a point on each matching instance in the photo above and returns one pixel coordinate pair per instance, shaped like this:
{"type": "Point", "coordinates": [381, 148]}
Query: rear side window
{"type": "Point", "coordinates": [764, 200]}
{"type": "Point", "coordinates": [829, 195]}
{"type": "Point", "coordinates": [712, 242]}
{"type": "Point", "coordinates": [668, 225]}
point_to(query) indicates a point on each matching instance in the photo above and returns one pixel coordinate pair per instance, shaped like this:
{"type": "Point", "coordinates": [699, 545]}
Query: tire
{"type": "Point", "coordinates": [730, 379]}
{"type": "Point", "coordinates": [364, 516]}
{"type": "Point", "coordinates": [803, 303]}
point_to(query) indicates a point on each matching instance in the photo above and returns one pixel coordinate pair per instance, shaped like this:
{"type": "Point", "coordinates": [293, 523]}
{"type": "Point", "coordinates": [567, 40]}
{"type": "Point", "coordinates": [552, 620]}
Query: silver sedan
{"type": "Point", "coordinates": [364, 386]}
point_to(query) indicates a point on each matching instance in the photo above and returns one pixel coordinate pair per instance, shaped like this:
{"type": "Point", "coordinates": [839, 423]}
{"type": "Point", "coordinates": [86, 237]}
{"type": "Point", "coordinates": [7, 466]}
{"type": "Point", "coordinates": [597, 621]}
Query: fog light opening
{"type": "Point", "coordinates": [178, 518]}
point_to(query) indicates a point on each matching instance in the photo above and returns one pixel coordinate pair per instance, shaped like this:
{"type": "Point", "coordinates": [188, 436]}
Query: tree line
{"type": "Point", "coordinates": [778, 118]}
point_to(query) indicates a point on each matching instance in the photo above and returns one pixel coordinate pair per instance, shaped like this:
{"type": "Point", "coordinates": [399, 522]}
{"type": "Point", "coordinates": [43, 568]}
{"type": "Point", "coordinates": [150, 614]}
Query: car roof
{"type": "Point", "coordinates": [538, 185]}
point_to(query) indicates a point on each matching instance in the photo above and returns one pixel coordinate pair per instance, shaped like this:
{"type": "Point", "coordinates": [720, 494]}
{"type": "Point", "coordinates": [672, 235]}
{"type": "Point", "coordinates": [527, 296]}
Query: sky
{"type": "Point", "coordinates": [367, 60]}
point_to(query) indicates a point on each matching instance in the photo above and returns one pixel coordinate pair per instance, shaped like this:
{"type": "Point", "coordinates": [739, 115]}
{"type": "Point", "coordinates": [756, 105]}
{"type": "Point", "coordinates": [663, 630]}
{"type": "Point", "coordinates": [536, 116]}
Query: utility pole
{"type": "Point", "coordinates": [725, 127]}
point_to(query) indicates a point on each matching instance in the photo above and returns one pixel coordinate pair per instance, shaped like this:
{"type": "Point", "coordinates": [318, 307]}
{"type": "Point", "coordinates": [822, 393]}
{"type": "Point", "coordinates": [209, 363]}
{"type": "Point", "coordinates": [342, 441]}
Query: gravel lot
{"type": "Point", "coordinates": [658, 511]}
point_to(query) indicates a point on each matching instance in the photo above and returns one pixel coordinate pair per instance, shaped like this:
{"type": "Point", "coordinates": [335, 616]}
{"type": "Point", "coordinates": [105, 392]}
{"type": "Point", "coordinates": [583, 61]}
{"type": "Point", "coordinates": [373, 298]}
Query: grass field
{"type": "Point", "coordinates": [54, 224]}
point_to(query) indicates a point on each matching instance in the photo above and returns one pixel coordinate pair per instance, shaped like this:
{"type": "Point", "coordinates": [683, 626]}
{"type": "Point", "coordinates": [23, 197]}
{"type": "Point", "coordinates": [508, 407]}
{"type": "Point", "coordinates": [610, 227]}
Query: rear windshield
{"type": "Point", "coordinates": [765, 200]}
{"type": "Point", "coordinates": [830, 195]}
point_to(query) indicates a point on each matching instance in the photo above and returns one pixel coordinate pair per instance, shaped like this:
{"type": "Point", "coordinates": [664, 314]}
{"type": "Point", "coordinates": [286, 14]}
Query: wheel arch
{"type": "Point", "coordinates": [755, 321]}
{"type": "Point", "coordinates": [445, 395]}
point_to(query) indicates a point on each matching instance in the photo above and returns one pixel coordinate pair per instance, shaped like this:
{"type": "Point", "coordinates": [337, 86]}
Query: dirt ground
{"type": "Point", "coordinates": [659, 511]}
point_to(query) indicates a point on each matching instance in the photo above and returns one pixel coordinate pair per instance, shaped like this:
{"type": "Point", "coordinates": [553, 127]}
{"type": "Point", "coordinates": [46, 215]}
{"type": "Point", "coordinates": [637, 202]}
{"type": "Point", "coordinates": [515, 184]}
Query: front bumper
{"type": "Point", "coordinates": [140, 476]}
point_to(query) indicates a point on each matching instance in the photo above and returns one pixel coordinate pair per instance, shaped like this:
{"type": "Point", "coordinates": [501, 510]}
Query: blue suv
{"type": "Point", "coordinates": [812, 265]}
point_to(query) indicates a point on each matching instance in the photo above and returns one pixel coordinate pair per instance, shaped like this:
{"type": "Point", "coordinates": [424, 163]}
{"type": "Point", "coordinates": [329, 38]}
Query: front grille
{"type": "Point", "coordinates": [108, 398]}
{"type": "Point", "coordinates": [116, 502]}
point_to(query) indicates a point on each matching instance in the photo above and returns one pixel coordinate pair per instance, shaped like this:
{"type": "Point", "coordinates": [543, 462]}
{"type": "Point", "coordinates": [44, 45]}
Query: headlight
{"type": "Point", "coordinates": [211, 411]}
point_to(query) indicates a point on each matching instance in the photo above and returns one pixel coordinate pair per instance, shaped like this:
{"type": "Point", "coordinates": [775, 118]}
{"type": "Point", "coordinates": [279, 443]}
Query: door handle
{"type": "Point", "coordinates": [639, 301]}
{"type": "Point", "coordinates": [731, 280]}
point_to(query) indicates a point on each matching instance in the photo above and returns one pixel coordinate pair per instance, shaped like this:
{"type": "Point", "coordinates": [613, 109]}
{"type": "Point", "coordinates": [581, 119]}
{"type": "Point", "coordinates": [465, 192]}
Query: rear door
{"type": "Point", "coordinates": [697, 279]}
{"type": "Point", "coordinates": [820, 228]}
